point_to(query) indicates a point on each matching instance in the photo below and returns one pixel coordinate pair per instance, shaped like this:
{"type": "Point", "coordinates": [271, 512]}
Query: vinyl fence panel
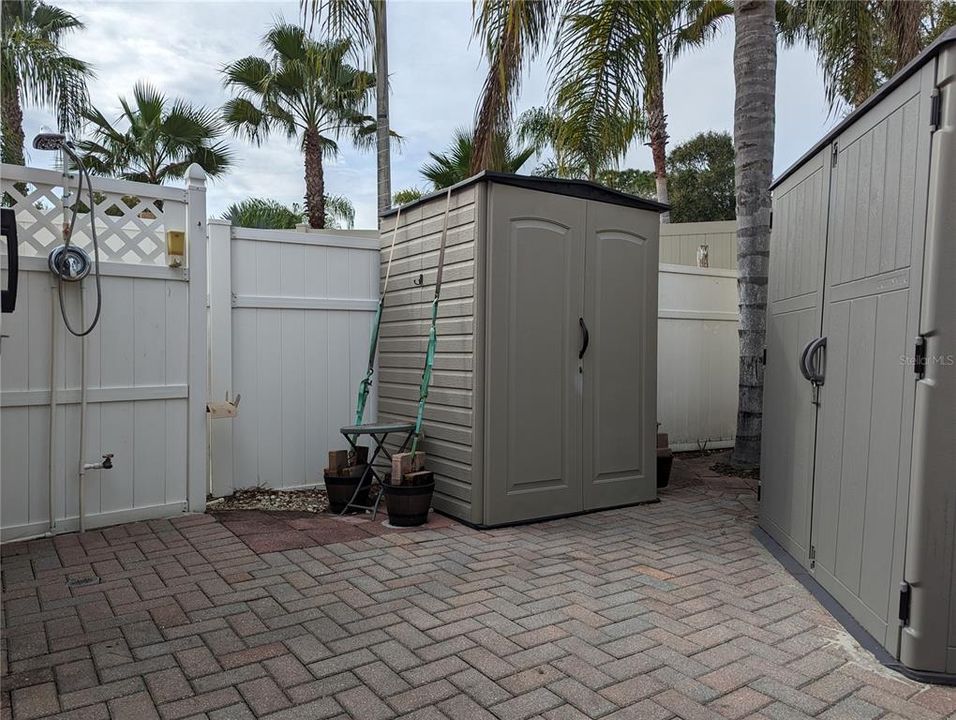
{"type": "Point", "coordinates": [146, 395]}
{"type": "Point", "coordinates": [290, 319]}
{"type": "Point", "coordinates": [697, 356]}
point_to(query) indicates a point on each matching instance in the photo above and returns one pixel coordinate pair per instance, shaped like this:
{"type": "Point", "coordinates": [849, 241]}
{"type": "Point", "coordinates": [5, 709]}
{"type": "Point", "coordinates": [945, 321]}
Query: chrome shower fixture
{"type": "Point", "coordinates": [50, 141]}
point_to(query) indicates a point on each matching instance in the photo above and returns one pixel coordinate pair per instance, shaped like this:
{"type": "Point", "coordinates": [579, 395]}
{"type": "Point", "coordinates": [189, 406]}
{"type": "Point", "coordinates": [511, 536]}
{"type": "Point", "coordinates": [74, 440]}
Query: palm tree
{"type": "Point", "coordinates": [859, 45]}
{"type": "Point", "coordinates": [455, 164]}
{"type": "Point", "coordinates": [611, 60]}
{"type": "Point", "coordinates": [608, 67]}
{"type": "Point", "coordinates": [364, 23]}
{"type": "Point", "coordinates": [271, 214]}
{"type": "Point", "coordinates": [512, 33]}
{"type": "Point", "coordinates": [582, 147]}
{"type": "Point", "coordinates": [162, 138]}
{"type": "Point", "coordinates": [630, 180]}
{"type": "Point", "coordinates": [755, 67]}
{"type": "Point", "coordinates": [36, 70]}
{"type": "Point", "coordinates": [407, 195]}
{"type": "Point", "coordinates": [305, 89]}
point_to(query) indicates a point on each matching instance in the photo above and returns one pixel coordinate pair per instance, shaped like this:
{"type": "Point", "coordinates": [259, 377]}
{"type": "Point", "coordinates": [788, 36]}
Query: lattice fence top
{"type": "Point", "coordinates": [131, 218]}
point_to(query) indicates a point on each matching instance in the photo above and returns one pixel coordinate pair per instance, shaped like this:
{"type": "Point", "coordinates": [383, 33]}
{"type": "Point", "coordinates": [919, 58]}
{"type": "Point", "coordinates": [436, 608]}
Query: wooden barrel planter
{"type": "Point", "coordinates": [408, 503]}
{"type": "Point", "coordinates": [340, 486]}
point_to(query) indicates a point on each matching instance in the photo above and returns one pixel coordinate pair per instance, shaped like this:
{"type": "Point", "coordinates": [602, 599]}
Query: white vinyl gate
{"type": "Point", "coordinates": [697, 351]}
{"type": "Point", "coordinates": [290, 316]}
{"type": "Point", "coordinates": [146, 369]}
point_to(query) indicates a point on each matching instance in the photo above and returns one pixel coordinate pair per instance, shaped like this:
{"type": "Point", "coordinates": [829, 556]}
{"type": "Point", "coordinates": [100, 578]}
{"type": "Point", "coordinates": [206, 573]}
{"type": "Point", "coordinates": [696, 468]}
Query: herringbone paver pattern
{"type": "Point", "coordinates": [660, 611]}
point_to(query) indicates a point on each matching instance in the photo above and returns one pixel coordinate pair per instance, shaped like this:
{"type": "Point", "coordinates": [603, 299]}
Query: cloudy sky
{"type": "Point", "coordinates": [436, 76]}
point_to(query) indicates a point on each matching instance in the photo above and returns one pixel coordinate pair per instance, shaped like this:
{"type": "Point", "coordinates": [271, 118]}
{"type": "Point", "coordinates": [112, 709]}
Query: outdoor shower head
{"type": "Point", "coordinates": [50, 141]}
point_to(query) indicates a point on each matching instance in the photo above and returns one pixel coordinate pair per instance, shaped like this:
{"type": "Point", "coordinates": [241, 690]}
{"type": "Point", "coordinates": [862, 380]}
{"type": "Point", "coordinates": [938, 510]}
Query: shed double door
{"type": "Point", "coordinates": [846, 265]}
{"type": "Point", "coordinates": [571, 356]}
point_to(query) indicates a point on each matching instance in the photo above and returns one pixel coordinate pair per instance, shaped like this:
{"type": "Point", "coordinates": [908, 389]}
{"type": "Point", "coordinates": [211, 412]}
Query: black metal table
{"type": "Point", "coordinates": [378, 433]}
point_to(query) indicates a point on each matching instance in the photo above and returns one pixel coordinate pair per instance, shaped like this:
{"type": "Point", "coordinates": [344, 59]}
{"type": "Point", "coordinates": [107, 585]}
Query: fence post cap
{"type": "Point", "coordinates": [196, 173]}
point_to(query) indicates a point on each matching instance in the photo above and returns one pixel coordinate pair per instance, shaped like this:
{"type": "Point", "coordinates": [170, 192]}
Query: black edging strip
{"type": "Point", "coordinates": [867, 641]}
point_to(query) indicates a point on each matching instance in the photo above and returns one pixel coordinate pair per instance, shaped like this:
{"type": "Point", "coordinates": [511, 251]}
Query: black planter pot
{"type": "Point", "coordinates": [341, 485]}
{"type": "Point", "coordinates": [408, 504]}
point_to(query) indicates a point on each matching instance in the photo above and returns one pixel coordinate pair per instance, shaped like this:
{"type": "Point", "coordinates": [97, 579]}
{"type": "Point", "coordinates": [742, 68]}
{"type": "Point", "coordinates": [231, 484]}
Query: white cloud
{"type": "Point", "coordinates": [436, 75]}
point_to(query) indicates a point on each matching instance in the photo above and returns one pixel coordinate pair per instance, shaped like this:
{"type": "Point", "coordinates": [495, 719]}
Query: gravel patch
{"type": "Point", "coordinates": [266, 499]}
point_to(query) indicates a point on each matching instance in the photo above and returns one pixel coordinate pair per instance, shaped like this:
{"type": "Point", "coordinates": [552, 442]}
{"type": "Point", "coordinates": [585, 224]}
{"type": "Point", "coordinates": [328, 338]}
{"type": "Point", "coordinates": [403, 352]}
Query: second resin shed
{"type": "Point", "coordinates": [858, 474]}
{"type": "Point", "coordinates": [543, 396]}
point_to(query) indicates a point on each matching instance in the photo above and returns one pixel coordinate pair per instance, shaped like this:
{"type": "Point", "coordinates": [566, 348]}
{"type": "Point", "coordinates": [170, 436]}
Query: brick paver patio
{"type": "Point", "coordinates": [659, 611]}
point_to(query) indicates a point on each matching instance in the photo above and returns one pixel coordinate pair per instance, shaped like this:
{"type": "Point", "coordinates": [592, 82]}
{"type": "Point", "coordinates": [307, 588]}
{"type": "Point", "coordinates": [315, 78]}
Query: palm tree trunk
{"type": "Point", "coordinates": [12, 114]}
{"type": "Point", "coordinates": [755, 67]}
{"type": "Point", "coordinates": [384, 161]}
{"type": "Point", "coordinates": [314, 180]}
{"type": "Point", "coordinates": [657, 128]}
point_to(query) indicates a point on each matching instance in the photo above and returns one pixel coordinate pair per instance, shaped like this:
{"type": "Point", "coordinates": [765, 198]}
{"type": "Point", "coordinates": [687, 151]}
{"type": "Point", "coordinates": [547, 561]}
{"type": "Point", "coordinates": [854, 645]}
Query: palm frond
{"type": "Point", "coordinates": [341, 18]}
{"type": "Point", "coordinates": [454, 164]}
{"type": "Point", "coordinates": [339, 211]}
{"type": "Point", "coordinates": [699, 24]}
{"type": "Point", "coordinates": [263, 213]}
{"type": "Point", "coordinates": [606, 57]}
{"type": "Point", "coordinates": [512, 33]}
{"type": "Point", "coordinates": [247, 74]}
{"type": "Point", "coordinates": [35, 64]}
{"type": "Point", "coordinates": [161, 139]}
{"type": "Point", "coordinates": [150, 103]}
{"type": "Point", "coordinates": [245, 118]}
{"type": "Point", "coordinates": [286, 42]}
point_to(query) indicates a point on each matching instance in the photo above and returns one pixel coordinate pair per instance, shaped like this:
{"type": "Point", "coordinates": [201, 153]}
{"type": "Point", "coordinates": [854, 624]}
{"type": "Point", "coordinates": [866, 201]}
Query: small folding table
{"type": "Point", "coordinates": [378, 433]}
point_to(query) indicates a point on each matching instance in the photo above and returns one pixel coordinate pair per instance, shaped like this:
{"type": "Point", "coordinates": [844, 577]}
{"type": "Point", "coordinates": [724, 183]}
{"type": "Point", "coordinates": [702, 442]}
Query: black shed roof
{"type": "Point", "coordinates": [572, 188]}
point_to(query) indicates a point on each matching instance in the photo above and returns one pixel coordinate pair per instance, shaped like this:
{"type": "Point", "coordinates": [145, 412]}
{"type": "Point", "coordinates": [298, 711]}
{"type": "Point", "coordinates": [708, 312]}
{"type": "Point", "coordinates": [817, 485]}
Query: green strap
{"type": "Point", "coordinates": [426, 375]}
{"type": "Point", "coordinates": [433, 332]}
{"type": "Point", "coordinates": [367, 380]}
{"type": "Point", "coordinates": [366, 383]}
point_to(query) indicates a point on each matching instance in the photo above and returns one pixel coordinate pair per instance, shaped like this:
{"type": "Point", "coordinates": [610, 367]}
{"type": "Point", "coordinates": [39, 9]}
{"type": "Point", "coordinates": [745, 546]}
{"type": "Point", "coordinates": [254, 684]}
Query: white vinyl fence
{"type": "Point", "coordinates": [697, 356]}
{"type": "Point", "coordinates": [290, 316]}
{"type": "Point", "coordinates": [679, 243]}
{"type": "Point", "coordinates": [145, 367]}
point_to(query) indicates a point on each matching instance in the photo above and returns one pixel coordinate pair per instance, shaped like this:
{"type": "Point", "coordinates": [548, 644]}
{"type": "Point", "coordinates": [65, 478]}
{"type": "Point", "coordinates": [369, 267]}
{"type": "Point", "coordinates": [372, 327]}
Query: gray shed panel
{"type": "Point", "coordinates": [860, 487]}
{"type": "Point", "coordinates": [517, 428]}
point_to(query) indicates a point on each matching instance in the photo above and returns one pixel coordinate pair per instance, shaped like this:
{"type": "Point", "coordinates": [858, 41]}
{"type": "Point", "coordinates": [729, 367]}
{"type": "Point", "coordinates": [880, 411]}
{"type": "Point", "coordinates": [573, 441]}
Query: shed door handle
{"type": "Point", "coordinates": [808, 366]}
{"type": "Point", "coordinates": [802, 363]}
{"type": "Point", "coordinates": [813, 367]}
{"type": "Point", "coordinates": [585, 339]}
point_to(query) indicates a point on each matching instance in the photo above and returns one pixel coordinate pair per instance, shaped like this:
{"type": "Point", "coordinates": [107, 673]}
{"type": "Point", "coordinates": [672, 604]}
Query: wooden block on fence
{"type": "Point", "coordinates": [224, 409]}
{"type": "Point", "coordinates": [405, 463]}
{"type": "Point", "coordinates": [422, 477]}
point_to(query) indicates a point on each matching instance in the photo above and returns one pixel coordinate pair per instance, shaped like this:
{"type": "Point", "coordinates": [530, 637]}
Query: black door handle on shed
{"type": "Point", "coordinates": [584, 340]}
{"type": "Point", "coordinates": [814, 367]}
{"type": "Point", "coordinates": [809, 368]}
{"type": "Point", "coordinates": [802, 362]}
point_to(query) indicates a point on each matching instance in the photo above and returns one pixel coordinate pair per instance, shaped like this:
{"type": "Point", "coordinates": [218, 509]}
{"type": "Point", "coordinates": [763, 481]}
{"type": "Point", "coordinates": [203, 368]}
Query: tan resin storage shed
{"type": "Point", "coordinates": [858, 476]}
{"type": "Point", "coordinates": [543, 397]}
